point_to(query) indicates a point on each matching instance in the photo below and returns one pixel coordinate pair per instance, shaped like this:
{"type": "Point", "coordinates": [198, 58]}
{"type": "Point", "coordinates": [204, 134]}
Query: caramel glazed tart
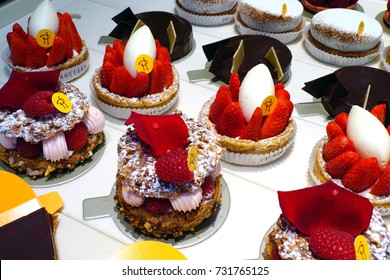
{"type": "Point", "coordinates": [292, 245]}
{"type": "Point", "coordinates": [320, 175]}
{"type": "Point", "coordinates": [74, 61]}
{"type": "Point", "coordinates": [136, 174]}
{"type": "Point", "coordinates": [273, 147]}
{"type": "Point", "coordinates": [17, 124]}
{"type": "Point", "coordinates": [145, 102]}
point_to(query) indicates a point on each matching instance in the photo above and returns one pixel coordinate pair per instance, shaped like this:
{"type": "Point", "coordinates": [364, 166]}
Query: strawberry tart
{"type": "Point", "coordinates": [355, 154]}
{"type": "Point", "coordinates": [207, 12]}
{"type": "Point", "coordinates": [355, 40]}
{"type": "Point", "coordinates": [168, 178]}
{"type": "Point", "coordinates": [326, 222]}
{"type": "Point", "coordinates": [252, 119]}
{"type": "Point", "coordinates": [51, 42]}
{"type": "Point", "coordinates": [46, 126]}
{"type": "Point", "coordinates": [280, 19]}
{"type": "Point", "coordinates": [138, 76]}
{"type": "Point", "coordinates": [320, 5]}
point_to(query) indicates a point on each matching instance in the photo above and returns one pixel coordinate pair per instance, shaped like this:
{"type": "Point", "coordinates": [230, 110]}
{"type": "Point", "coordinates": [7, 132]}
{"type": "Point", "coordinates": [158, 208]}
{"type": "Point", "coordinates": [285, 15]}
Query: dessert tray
{"type": "Point", "coordinates": [101, 207]}
{"type": "Point", "coordinates": [57, 178]}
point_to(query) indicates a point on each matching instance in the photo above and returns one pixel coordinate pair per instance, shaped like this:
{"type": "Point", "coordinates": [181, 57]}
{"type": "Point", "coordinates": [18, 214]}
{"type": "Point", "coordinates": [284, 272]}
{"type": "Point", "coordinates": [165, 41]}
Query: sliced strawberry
{"type": "Point", "coordinates": [342, 120]}
{"type": "Point", "coordinates": [157, 205]}
{"type": "Point", "coordinates": [158, 44]}
{"type": "Point", "coordinates": [139, 86]}
{"type": "Point", "coordinates": [57, 54]}
{"type": "Point", "coordinates": [234, 86]}
{"type": "Point", "coordinates": [18, 29]}
{"type": "Point", "coordinates": [276, 122]}
{"type": "Point", "coordinates": [72, 32]}
{"type": "Point", "coordinates": [282, 94]}
{"type": "Point", "coordinates": [36, 55]}
{"type": "Point", "coordinates": [336, 146]}
{"type": "Point", "coordinates": [208, 188]}
{"type": "Point", "coordinates": [106, 73]}
{"type": "Point", "coordinates": [232, 121]}
{"type": "Point", "coordinates": [157, 78]}
{"type": "Point", "coordinates": [279, 86]}
{"type": "Point", "coordinates": [339, 165]}
{"type": "Point", "coordinates": [333, 130]}
{"type": "Point", "coordinates": [382, 186]}
{"type": "Point", "coordinates": [222, 99]}
{"type": "Point", "coordinates": [27, 149]}
{"type": "Point", "coordinates": [40, 104]}
{"type": "Point", "coordinates": [172, 167]}
{"type": "Point", "coordinates": [362, 175]}
{"type": "Point", "coordinates": [332, 244]}
{"type": "Point", "coordinates": [252, 131]}
{"type": "Point", "coordinates": [163, 56]}
{"type": "Point", "coordinates": [77, 137]}
{"type": "Point", "coordinates": [18, 48]}
{"type": "Point", "coordinates": [64, 34]}
{"type": "Point", "coordinates": [110, 56]}
{"type": "Point", "coordinates": [379, 111]}
{"type": "Point", "coordinates": [121, 80]}
{"type": "Point", "coordinates": [119, 49]}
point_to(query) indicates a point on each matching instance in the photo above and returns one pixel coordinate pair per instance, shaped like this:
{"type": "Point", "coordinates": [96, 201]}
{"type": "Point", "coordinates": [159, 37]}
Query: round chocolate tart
{"type": "Point", "coordinates": [255, 47]}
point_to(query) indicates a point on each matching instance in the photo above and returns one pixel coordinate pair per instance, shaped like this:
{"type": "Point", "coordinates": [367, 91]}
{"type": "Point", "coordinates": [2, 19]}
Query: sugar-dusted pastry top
{"type": "Point", "coordinates": [208, 6]}
{"type": "Point", "coordinates": [267, 15]}
{"type": "Point", "coordinates": [293, 245]}
{"type": "Point", "coordinates": [338, 29]}
{"type": "Point", "coordinates": [136, 165]}
{"type": "Point", "coordinates": [17, 124]}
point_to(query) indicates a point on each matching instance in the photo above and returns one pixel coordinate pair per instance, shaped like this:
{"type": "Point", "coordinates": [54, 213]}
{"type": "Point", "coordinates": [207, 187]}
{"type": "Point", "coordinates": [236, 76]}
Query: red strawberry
{"type": "Point", "coordinates": [336, 146]}
{"type": "Point", "coordinates": [106, 73]}
{"type": "Point", "coordinates": [39, 104]}
{"type": "Point", "coordinates": [139, 86]}
{"type": "Point", "coordinates": [332, 244]}
{"type": "Point", "coordinates": [276, 122]}
{"type": "Point", "coordinates": [234, 86]}
{"type": "Point", "coordinates": [232, 121]}
{"type": "Point", "coordinates": [342, 120]}
{"type": "Point", "coordinates": [77, 137]}
{"type": "Point", "coordinates": [57, 54]}
{"type": "Point", "coordinates": [339, 165]}
{"type": "Point", "coordinates": [121, 80]}
{"type": "Point", "coordinates": [157, 78]}
{"type": "Point", "coordinates": [119, 49]}
{"type": "Point", "coordinates": [72, 33]}
{"type": "Point", "coordinates": [27, 149]}
{"type": "Point", "coordinates": [282, 94]}
{"type": "Point", "coordinates": [64, 34]}
{"type": "Point", "coordinates": [382, 186]}
{"type": "Point", "coordinates": [110, 56]}
{"type": "Point", "coordinates": [362, 175]}
{"type": "Point", "coordinates": [208, 188]}
{"type": "Point", "coordinates": [173, 167]}
{"type": "Point", "coordinates": [252, 131]}
{"type": "Point", "coordinates": [333, 130]}
{"type": "Point", "coordinates": [18, 48]}
{"type": "Point", "coordinates": [158, 44]}
{"type": "Point", "coordinates": [388, 129]}
{"type": "Point", "coordinates": [163, 56]}
{"type": "Point", "coordinates": [157, 205]}
{"type": "Point", "coordinates": [379, 111]}
{"type": "Point", "coordinates": [279, 86]}
{"type": "Point", "coordinates": [222, 99]}
{"type": "Point", "coordinates": [36, 55]}
{"type": "Point", "coordinates": [18, 29]}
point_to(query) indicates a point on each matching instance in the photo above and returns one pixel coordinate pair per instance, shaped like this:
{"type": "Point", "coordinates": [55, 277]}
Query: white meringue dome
{"type": "Point", "coordinates": [43, 17]}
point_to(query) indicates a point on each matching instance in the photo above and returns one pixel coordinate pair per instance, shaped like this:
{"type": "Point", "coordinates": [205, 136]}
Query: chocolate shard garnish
{"type": "Point", "coordinates": [158, 23]}
{"type": "Point", "coordinates": [347, 86]}
{"type": "Point", "coordinates": [28, 238]}
{"type": "Point", "coordinates": [256, 47]}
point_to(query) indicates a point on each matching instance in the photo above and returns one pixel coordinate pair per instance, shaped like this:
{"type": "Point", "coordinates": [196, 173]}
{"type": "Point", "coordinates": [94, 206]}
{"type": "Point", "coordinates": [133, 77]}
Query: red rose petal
{"type": "Point", "coordinates": [162, 133]}
{"type": "Point", "coordinates": [326, 206]}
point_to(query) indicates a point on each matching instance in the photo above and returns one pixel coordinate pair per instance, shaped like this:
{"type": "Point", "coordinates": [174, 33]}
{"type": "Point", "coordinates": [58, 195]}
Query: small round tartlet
{"type": "Point", "coordinates": [207, 12]}
{"type": "Point", "coordinates": [321, 5]}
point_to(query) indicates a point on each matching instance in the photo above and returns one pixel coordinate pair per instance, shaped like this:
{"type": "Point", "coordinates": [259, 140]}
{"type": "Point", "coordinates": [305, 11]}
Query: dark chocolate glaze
{"type": "Point", "coordinates": [347, 86]}
{"type": "Point", "coordinates": [255, 48]}
{"type": "Point", "coordinates": [158, 23]}
{"type": "Point", "coordinates": [28, 238]}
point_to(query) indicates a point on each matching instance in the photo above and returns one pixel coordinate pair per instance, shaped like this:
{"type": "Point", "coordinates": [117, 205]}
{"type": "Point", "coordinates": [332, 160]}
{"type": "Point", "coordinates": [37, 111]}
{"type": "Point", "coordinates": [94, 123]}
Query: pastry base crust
{"type": "Point", "coordinates": [339, 53]}
{"type": "Point", "coordinates": [174, 223]}
{"type": "Point", "coordinates": [37, 167]}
